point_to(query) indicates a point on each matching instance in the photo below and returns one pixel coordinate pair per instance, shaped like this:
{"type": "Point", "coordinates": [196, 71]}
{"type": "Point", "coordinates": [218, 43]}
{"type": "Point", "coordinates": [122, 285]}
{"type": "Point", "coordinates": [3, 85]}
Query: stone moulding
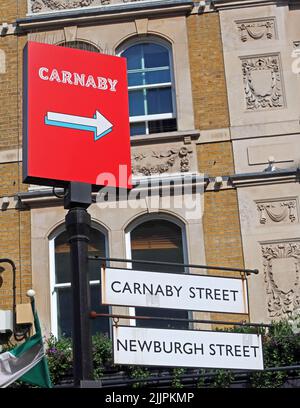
{"type": "Point", "coordinates": [257, 29]}
{"type": "Point", "coordinates": [263, 83]}
{"type": "Point", "coordinates": [278, 211]}
{"type": "Point", "coordinates": [159, 162]}
{"type": "Point", "coordinates": [229, 4]}
{"type": "Point", "coordinates": [40, 6]}
{"type": "Point", "coordinates": [282, 283]}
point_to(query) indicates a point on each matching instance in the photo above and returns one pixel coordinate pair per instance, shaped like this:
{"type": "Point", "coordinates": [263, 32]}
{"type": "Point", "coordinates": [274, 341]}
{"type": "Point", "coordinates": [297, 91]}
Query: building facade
{"type": "Point", "coordinates": [214, 96]}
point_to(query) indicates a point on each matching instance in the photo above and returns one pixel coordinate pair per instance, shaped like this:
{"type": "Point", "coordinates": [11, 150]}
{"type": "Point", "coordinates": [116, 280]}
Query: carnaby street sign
{"type": "Point", "coordinates": [186, 348]}
{"type": "Point", "coordinates": [126, 287]}
{"type": "Point", "coordinates": [76, 121]}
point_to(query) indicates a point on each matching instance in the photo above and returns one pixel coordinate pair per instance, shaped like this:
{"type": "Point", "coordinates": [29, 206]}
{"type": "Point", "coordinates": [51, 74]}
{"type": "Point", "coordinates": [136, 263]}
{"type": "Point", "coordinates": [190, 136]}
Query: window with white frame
{"type": "Point", "coordinates": [61, 300]}
{"type": "Point", "coordinates": [158, 240]}
{"type": "Point", "coordinates": [152, 106]}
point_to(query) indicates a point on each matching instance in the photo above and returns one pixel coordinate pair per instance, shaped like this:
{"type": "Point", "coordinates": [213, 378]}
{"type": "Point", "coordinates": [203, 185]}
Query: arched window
{"type": "Point", "coordinates": [151, 87]}
{"type": "Point", "coordinates": [80, 45]}
{"type": "Point", "coordinates": [158, 240]}
{"type": "Point", "coordinates": [61, 310]}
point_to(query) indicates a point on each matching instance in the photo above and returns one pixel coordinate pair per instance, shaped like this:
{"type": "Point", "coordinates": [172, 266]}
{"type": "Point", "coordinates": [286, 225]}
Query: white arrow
{"type": "Point", "coordinates": [98, 124]}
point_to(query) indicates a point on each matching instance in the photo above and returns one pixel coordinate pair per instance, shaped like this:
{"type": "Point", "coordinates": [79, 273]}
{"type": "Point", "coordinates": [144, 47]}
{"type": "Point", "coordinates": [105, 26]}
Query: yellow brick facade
{"type": "Point", "coordinates": [223, 246]}
{"type": "Point", "coordinates": [15, 234]}
{"type": "Point", "coordinates": [207, 71]}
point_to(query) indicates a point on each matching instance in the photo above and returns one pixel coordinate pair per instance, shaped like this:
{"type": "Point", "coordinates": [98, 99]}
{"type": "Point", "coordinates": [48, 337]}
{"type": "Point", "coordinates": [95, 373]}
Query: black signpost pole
{"type": "Point", "coordinates": [78, 220]}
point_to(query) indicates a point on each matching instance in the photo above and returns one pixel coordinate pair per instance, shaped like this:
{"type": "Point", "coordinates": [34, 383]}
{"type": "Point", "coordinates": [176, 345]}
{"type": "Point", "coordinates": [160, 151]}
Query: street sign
{"type": "Point", "coordinates": [126, 287]}
{"type": "Point", "coordinates": [187, 348]}
{"type": "Point", "coordinates": [76, 120]}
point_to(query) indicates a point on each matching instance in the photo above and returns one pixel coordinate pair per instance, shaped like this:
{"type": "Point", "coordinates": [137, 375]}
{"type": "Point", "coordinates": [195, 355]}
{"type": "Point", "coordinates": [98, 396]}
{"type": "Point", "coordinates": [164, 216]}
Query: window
{"type": "Point", "coordinates": [158, 240]}
{"type": "Point", "coordinates": [61, 284]}
{"type": "Point", "coordinates": [80, 45]}
{"type": "Point", "coordinates": [151, 88]}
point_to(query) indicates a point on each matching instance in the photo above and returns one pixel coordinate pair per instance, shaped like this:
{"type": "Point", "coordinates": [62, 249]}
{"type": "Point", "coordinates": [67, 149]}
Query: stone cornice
{"type": "Point", "coordinates": [230, 4]}
{"type": "Point", "coordinates": [45, 197]}
{"type": "Point", "coordinates": [105, 13]}
{"type": "Point", "coordinates": [263, 178]}
{"type": "Point", "coordinates": [185, 136]}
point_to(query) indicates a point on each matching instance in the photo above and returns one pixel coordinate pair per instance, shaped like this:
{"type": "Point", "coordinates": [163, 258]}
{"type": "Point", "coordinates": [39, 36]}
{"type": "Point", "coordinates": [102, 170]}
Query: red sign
{"type": "Point", "coordinates": [76, 121]}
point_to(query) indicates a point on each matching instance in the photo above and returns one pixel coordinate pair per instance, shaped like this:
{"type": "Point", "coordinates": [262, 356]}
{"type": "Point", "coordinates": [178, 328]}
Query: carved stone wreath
{"type": "Point", "coordinates": [278, 211]}
{"type": "Point", "coordinates": [166, 161]}
{"type": "Point", "coordinates": [262, 83]}
{"type": "Point", "coordinates": [283, 289]}
{"type": "Point", "coordinates": [256, 30]}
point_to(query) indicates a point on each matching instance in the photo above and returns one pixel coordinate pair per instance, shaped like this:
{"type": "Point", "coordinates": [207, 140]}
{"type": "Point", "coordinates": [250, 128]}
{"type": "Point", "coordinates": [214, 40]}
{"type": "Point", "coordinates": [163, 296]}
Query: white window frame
{"type": "Point", "coordinates": [147, 118]}
{"type": "Point", "coordinates": [141, 220]}
{"type": "Point", "coordinates": [54, 286]}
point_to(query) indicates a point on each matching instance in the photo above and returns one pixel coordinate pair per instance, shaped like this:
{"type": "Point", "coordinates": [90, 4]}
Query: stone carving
{"type": "Point", "coordinates": [257, 30]}
{"type": "Point", "coordinates": [161, 162]}
{"type": "Point", "coordinates": [282, 277]}
{"type": "Point", "coordinates": [262, 82]}
{"type": "Point", "coordinates": [44, 5]}
{"type": "Point", "coordinates": [296, 45]}
{"type": "Point", "coordinates": [37, 6]}
{"type": "Point", "coordinates": [278, 211]}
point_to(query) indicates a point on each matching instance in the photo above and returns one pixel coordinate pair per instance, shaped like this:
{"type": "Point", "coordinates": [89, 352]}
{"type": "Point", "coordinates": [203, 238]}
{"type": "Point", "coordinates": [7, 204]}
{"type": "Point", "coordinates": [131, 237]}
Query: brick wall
{"type": "Point", "coordinates": [12, 9]}
{"type": "Point", "coordinates": [14, 224]}
{"type": "Point", "coordinates": [223, 246]}
{"type": "Point", "coordinates": [207, 71]}
{"type": "Point", "coordinates": [216, 159]}
{"type": "Point", "coordinates": [15, 244]}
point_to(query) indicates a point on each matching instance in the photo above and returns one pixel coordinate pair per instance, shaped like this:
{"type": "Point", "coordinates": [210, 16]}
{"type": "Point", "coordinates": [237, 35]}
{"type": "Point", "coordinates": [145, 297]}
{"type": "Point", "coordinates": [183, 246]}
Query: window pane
{"type": "Point", "coordinates": [159, 101]}
{"type": "Point", "coordinates": [134, 57]}
{"type": "Point", "coordinates": [157, 77]}
{"type": "Point", "coordinates": [158, 240]}
{"type": "Point", "coordinates": [96, 247]}
{"type": "Point", "coordinates": [155, 56]}
{"type": "Point", "coordinates": [137, 129]}
{"type": "Point", "coordinates": [161, 324]}
{"type": "Point", "coordinates": [136, 103]}
{"type": "Point", "coordinates": [165, 125]}
{"type": "Point", "coordinates": [100, 324]}
{"type": "Point", "coordinates": [135, 79]}
{"type": "Point", "coordinates": [80, 45]}
{"type": "Point", "coordinates": [65, 312]}
{"type": "Point", "coordinates": [63, 266]}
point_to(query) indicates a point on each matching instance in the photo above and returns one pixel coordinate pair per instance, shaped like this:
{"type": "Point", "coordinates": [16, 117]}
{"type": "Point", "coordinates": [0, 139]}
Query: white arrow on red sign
{"type": "Point", "coordinates": [98, 124]}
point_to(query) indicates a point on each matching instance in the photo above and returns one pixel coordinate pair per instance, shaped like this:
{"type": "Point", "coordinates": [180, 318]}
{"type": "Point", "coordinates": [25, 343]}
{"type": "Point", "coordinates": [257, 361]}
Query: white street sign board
{"type": "Point", "coordinates": [186, 348]}
{"type": "Point", "coordinates": [126, 287]}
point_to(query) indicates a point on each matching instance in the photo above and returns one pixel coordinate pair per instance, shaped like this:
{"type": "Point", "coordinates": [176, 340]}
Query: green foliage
{"type": "Point", "coordinates": [139, 373]}
{"type": "Point", "coordinates": [60, 360]}
{"type": "Point", "coordinates": [59, 355]}
{"type": "Point", "coordinates": [222, 379]}
{"type": "Point", "coordinates": [281, 347]}
{"type": "Point", "coordinates": [102, 354]}
{"type": "Point", "coordinates": [176, 381]}
{"type": "Point", "coordinates": [201, 379]}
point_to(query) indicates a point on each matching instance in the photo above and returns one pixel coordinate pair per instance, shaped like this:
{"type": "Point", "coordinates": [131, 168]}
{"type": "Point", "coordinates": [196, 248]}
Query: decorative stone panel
{"type": "Point", "coordinates": [39, 6]}
{"type": "Point", "coordinates": [282, 277]}
{"type": "Point", "coordinates": [158, 161]}
{"type": "Point", "coordinates": [263, 83]}
{"type": "Point", "coordinates": [296, 45]}
{"type": "Point", "coordinates": [258, 29]}
{"type": "Point", "coordinates": [278, 211]}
